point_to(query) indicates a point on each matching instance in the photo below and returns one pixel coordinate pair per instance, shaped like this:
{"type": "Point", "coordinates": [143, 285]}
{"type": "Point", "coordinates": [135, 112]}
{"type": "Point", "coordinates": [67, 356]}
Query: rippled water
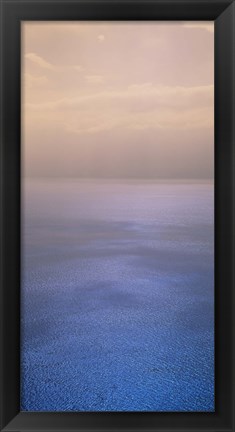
{"type": "Point", "coordinates": [117, 296]}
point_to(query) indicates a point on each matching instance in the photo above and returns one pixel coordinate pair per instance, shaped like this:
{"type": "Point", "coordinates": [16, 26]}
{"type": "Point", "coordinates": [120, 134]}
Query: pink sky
{"type": "Point", "coordinates": [118, 99]}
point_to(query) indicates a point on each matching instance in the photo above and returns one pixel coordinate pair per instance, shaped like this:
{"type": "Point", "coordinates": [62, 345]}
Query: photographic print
{"type": "Point", "coordinates": [117, 216]}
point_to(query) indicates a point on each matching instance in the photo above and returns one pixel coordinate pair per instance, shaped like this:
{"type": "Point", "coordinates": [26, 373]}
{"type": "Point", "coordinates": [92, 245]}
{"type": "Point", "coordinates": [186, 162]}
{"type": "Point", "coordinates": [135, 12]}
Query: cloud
{"type": "Point", "coordinates": [31, 81]}
{"type": "Point", "coordinates": [137, 107]}
{"type": "Point", "coordinates": [39, 61]}
{"type": "Point", "coordinates": [86, 123]}
{"type": "Point", "coordinates": [101, 38]}
{"type": "Point", "coordinates": [144, 97]}
{"type": "Point", "coordinates": [78, 68]}
{"type": "Point", "coordinates": [200, 25]}
{"type": "Point", "coordinates": [94, 79]}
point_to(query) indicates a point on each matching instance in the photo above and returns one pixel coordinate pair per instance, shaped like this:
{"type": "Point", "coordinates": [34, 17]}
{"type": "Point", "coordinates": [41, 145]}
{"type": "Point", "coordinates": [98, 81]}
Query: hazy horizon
{"type": "Point", "coordinates": [134, 179]}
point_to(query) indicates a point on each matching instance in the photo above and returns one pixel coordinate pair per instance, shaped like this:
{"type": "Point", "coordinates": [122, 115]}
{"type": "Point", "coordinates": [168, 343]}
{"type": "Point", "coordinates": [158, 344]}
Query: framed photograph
{"type": "Point", "coordinates": [117, 225]}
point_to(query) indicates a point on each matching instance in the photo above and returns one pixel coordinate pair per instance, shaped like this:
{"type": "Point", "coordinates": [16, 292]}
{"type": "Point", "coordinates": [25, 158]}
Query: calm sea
{"type": "Point", "coordinates": [117, 296]}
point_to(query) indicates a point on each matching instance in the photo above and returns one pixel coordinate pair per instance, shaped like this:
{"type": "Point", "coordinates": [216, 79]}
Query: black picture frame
{"type": "Point", "coordinates": [12, 13]}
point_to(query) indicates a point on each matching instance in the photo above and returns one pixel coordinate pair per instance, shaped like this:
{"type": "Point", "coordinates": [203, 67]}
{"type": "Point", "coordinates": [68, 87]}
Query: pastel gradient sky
{"type": "Point", "coordinates": [118, 99]}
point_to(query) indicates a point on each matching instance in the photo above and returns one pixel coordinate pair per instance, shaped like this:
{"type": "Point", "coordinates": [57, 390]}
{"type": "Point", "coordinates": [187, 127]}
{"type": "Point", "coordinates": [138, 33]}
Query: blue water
{"type": "Point", "coordinates": [117, 296]}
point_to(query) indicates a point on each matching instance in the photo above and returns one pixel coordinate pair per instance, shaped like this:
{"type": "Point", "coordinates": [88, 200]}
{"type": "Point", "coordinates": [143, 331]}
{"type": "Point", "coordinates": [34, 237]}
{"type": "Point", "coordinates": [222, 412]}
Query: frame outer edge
{"type": "Point", "coordinates": [233, 234]}
{"type": "Point", "coordinates": [232, 6]}
{"type": "Point", "coordinates": [1, 217]}
{"type": "Point", "coordinates": [9, 227]}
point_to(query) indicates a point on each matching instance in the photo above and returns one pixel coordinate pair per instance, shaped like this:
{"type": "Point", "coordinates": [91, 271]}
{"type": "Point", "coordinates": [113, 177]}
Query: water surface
{"type": "Point", "coordinates": [117, 296]}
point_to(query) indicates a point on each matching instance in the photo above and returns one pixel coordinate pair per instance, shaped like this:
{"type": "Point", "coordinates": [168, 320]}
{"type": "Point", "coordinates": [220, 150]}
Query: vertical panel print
{"type": "Point", "coordinates": [117, 288]}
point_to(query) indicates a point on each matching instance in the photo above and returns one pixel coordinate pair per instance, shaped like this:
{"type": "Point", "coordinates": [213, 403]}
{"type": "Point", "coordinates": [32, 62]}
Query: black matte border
{"type": "Point", "coordinates": [12, 13]}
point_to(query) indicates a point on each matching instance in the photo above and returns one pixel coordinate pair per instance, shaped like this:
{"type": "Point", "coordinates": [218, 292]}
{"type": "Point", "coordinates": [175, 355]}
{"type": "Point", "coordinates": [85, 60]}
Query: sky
{"type": "Point", "coordinates": [118, 99]}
